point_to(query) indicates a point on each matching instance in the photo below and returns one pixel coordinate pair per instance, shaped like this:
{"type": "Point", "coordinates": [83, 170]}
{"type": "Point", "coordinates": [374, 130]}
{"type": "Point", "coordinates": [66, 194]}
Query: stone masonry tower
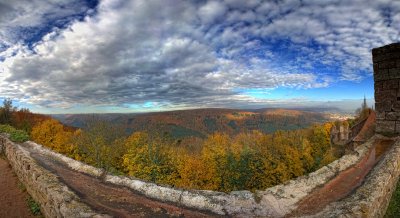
{"type": "Point", "coordinates": [386, 62]}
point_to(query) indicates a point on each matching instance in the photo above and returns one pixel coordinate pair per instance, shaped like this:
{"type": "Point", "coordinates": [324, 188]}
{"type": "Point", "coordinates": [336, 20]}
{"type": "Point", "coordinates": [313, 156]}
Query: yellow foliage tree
{"type": "Point", "coordinates": [149, 159]}
{"type": "Point", "coordinates": [52, 134]}
{"type": "Point", "coordinates": [214, 154]}
{"type": "Point", "coordinates": [248, 161]}
{"type": "Point", "coordinates": [101, 144]}
{"type": "Point", "coordinates": [194, 173]}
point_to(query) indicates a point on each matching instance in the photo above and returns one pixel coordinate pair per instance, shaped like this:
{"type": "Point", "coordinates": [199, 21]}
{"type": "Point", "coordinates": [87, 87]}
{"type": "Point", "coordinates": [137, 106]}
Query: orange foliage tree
{"type": "Point", "coordinates": [247, 161]}
{"type": "Point", "coordinates": [53, 134]}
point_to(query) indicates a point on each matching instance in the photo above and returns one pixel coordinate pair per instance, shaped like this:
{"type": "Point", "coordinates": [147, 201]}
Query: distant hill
{"type": "Point", "coordinates": [201, 122]}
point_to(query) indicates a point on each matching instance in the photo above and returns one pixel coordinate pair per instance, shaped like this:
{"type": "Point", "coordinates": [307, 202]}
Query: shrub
{"type": "Point", "coordinates": [15, 134]}
{"type": "Point", "coordinates": [6, 129]}
{"type": "Point", "coordinates": [19, 136]}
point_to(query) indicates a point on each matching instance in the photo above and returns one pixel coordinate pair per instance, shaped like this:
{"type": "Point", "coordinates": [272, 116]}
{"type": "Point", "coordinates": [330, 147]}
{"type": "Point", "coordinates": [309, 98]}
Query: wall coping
{"type": "Point", "coordinates": [372, 198]}
{"type": "Point", "coordinates": [276, 201]}
{"type": "Point", "coordinates": [54, 197]}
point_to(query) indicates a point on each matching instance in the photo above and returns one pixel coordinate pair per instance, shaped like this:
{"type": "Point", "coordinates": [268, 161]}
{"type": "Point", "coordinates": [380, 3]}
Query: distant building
{"type": "Point", "coordinates": [340, 134]}
{"type": "Point", "coordinates": [359, 133]}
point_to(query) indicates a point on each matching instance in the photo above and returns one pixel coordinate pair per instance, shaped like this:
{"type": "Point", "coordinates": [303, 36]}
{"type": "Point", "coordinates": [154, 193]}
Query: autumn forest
{"type": "Point", "coordinates": [247, 160]}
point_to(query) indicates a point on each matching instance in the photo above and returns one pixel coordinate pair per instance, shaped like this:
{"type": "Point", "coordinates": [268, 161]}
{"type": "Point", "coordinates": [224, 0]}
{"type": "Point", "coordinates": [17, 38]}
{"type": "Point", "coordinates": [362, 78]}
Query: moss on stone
{"type": "Point", "coordinates": [394, 205]}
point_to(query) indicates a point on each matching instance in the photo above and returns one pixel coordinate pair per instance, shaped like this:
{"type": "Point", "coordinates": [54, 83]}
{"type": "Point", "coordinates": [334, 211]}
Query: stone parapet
{"type": "Point", "coordinates": [373, 197]}
{"type": "Point", "coordinates": [55, 199]}
{"type": "Point", "coordinates": [369, 200]}
{"type": "Point", "coordinates": [276, 201]}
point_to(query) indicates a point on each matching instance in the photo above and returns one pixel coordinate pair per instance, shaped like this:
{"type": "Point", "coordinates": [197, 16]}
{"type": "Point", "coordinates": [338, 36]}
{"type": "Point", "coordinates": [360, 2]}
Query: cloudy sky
{"type": "Point", "coordinates": [63, 56]}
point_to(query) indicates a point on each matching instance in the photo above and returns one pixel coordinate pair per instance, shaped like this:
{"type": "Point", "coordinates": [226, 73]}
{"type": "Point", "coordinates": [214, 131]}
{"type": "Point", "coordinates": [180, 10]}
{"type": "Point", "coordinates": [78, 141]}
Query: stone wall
{"type": "Point", "coordinates": [2, 143]}
{"type": "Point", "coordinates": [276, 201]}
{"type": "Point", "coordinates": [373, 197]}
{"type": "Point", "coordinates": [340, 134]}
{"type": "Point", "coordinates": [386, 62]}
{"type": "Point", "coordinates": [55, 199]}
{"type": "Point", "coordinates": [370, 200]}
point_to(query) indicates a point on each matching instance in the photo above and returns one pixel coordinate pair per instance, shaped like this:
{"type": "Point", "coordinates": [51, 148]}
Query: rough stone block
{"type": "Point", "coordinates": [394, 73]}
{"type": "Point", "coordinates": [376, 51]}
{"type": "Point", "coordinates": [397, 127]}
{"type": "Point", "coordinates": [382, 57]}
{"type": "Point", "coordinates": [387, 64]}
{"type": "Point", "coordinates": [382, 74]}
{"type": "Point", "coordinates": [378, 58]}
{"type": "Point", "coordinates": [386, 95]}
{"type": "Point", "coordinates": [376, 67]}
{"type": "Point", "coordinates": [398, 64]}
{"type": "Point", "coordinates": [385, 52]}
{"type": "Point", "coordinates": [393, 115]}
{"type": "Point", "coordinates": [394, 46]}
{"type": "Point", "coordinates": [380, 115]}
{"type": "Point", "coordinates": [391, 84]}
{"type": "Point", "coordinates": [384, 106]}
{"type": "Point", "coordinates": [396, 106]}
{"type": "Point", "coordinates": [378, 86]}
{"type": "Point", "coordinates": [385, 126]}
{"type": "Point", "coordinates": [395, 55]}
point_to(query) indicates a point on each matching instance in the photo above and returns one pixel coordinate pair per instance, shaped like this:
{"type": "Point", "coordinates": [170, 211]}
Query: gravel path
{"type": "Point", "coordinates": [12, 199]}
{"type": "Point", "coordinates": [109, 198]}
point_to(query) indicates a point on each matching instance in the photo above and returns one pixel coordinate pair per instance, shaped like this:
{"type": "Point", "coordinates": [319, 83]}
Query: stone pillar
{"type": "Point", "coordinates": [386, 62]}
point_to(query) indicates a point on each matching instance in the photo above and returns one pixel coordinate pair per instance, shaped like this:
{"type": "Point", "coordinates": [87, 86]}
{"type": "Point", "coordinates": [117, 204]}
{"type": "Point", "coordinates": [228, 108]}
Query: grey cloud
{"type": "Point", "coordinates": [17, 16]}
{"type": "Point", "coordinates": [212, 11]}
{"type": "Point", "coordinates": [242, 5]}
{"type": "Point", "coordinates": [85, 64]}
{"type": "Point", "coordinates": [191, 53]}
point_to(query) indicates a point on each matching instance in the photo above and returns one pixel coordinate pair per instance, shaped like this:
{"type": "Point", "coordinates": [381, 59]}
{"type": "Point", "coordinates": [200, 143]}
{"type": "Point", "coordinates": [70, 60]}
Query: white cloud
{"type": "Point", "coordinates": [212, 11]}
{"type": "Point", "coordinates": [188, 53]}
{"type": "Point", "coordinates": [20, 19]}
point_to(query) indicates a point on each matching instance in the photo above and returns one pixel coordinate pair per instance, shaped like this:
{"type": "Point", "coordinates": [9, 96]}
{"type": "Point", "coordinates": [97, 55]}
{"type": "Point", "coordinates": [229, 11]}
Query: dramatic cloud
{"type": "Point", "coordinates": [176, 53]}
{"type": "Point", "coordinates": [22, 20]}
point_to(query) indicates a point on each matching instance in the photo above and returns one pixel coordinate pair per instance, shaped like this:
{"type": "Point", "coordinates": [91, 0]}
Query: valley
{"type": "Point", "coordinates": [199, 123]}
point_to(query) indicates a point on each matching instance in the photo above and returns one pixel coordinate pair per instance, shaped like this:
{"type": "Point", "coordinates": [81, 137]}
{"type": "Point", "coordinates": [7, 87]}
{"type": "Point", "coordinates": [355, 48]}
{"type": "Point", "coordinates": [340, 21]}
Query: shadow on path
{"type": "Point", "coordinates": [344, 183]}
{"type": "Point", "coordinates": [109, 198]}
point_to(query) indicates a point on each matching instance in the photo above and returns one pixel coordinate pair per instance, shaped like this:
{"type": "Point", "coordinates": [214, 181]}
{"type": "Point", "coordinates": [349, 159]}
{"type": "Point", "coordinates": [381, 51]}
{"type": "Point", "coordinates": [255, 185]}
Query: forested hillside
{"type": "Point", "coordinates": [250, 159]}
{"type": "Point", "coordinates": [202, 122]}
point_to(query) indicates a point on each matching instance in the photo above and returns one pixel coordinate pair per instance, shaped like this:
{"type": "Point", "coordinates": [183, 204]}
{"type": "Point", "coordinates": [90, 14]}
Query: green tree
{"type": "Point", "coordinates": [101, 144]}
{"type": "Point", "coordinates": [6, 111]}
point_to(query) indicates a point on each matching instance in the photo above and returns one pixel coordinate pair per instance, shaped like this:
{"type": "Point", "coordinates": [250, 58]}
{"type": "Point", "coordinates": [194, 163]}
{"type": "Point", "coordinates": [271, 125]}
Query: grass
{"type": "Point", "coordinates": [33, 206]}
{"type": "Point", "coordinates": [21, 186]}
{"type": "Point", "coordinates": [394, 205]}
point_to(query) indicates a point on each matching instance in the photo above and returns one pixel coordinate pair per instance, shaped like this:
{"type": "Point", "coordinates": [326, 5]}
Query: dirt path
{"type": "Point", "coordinates": [12, 199]}
{"type": "Point", "coordinates": [111, 199]}
{"type": "Point", "coordinates": [343, 184]}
